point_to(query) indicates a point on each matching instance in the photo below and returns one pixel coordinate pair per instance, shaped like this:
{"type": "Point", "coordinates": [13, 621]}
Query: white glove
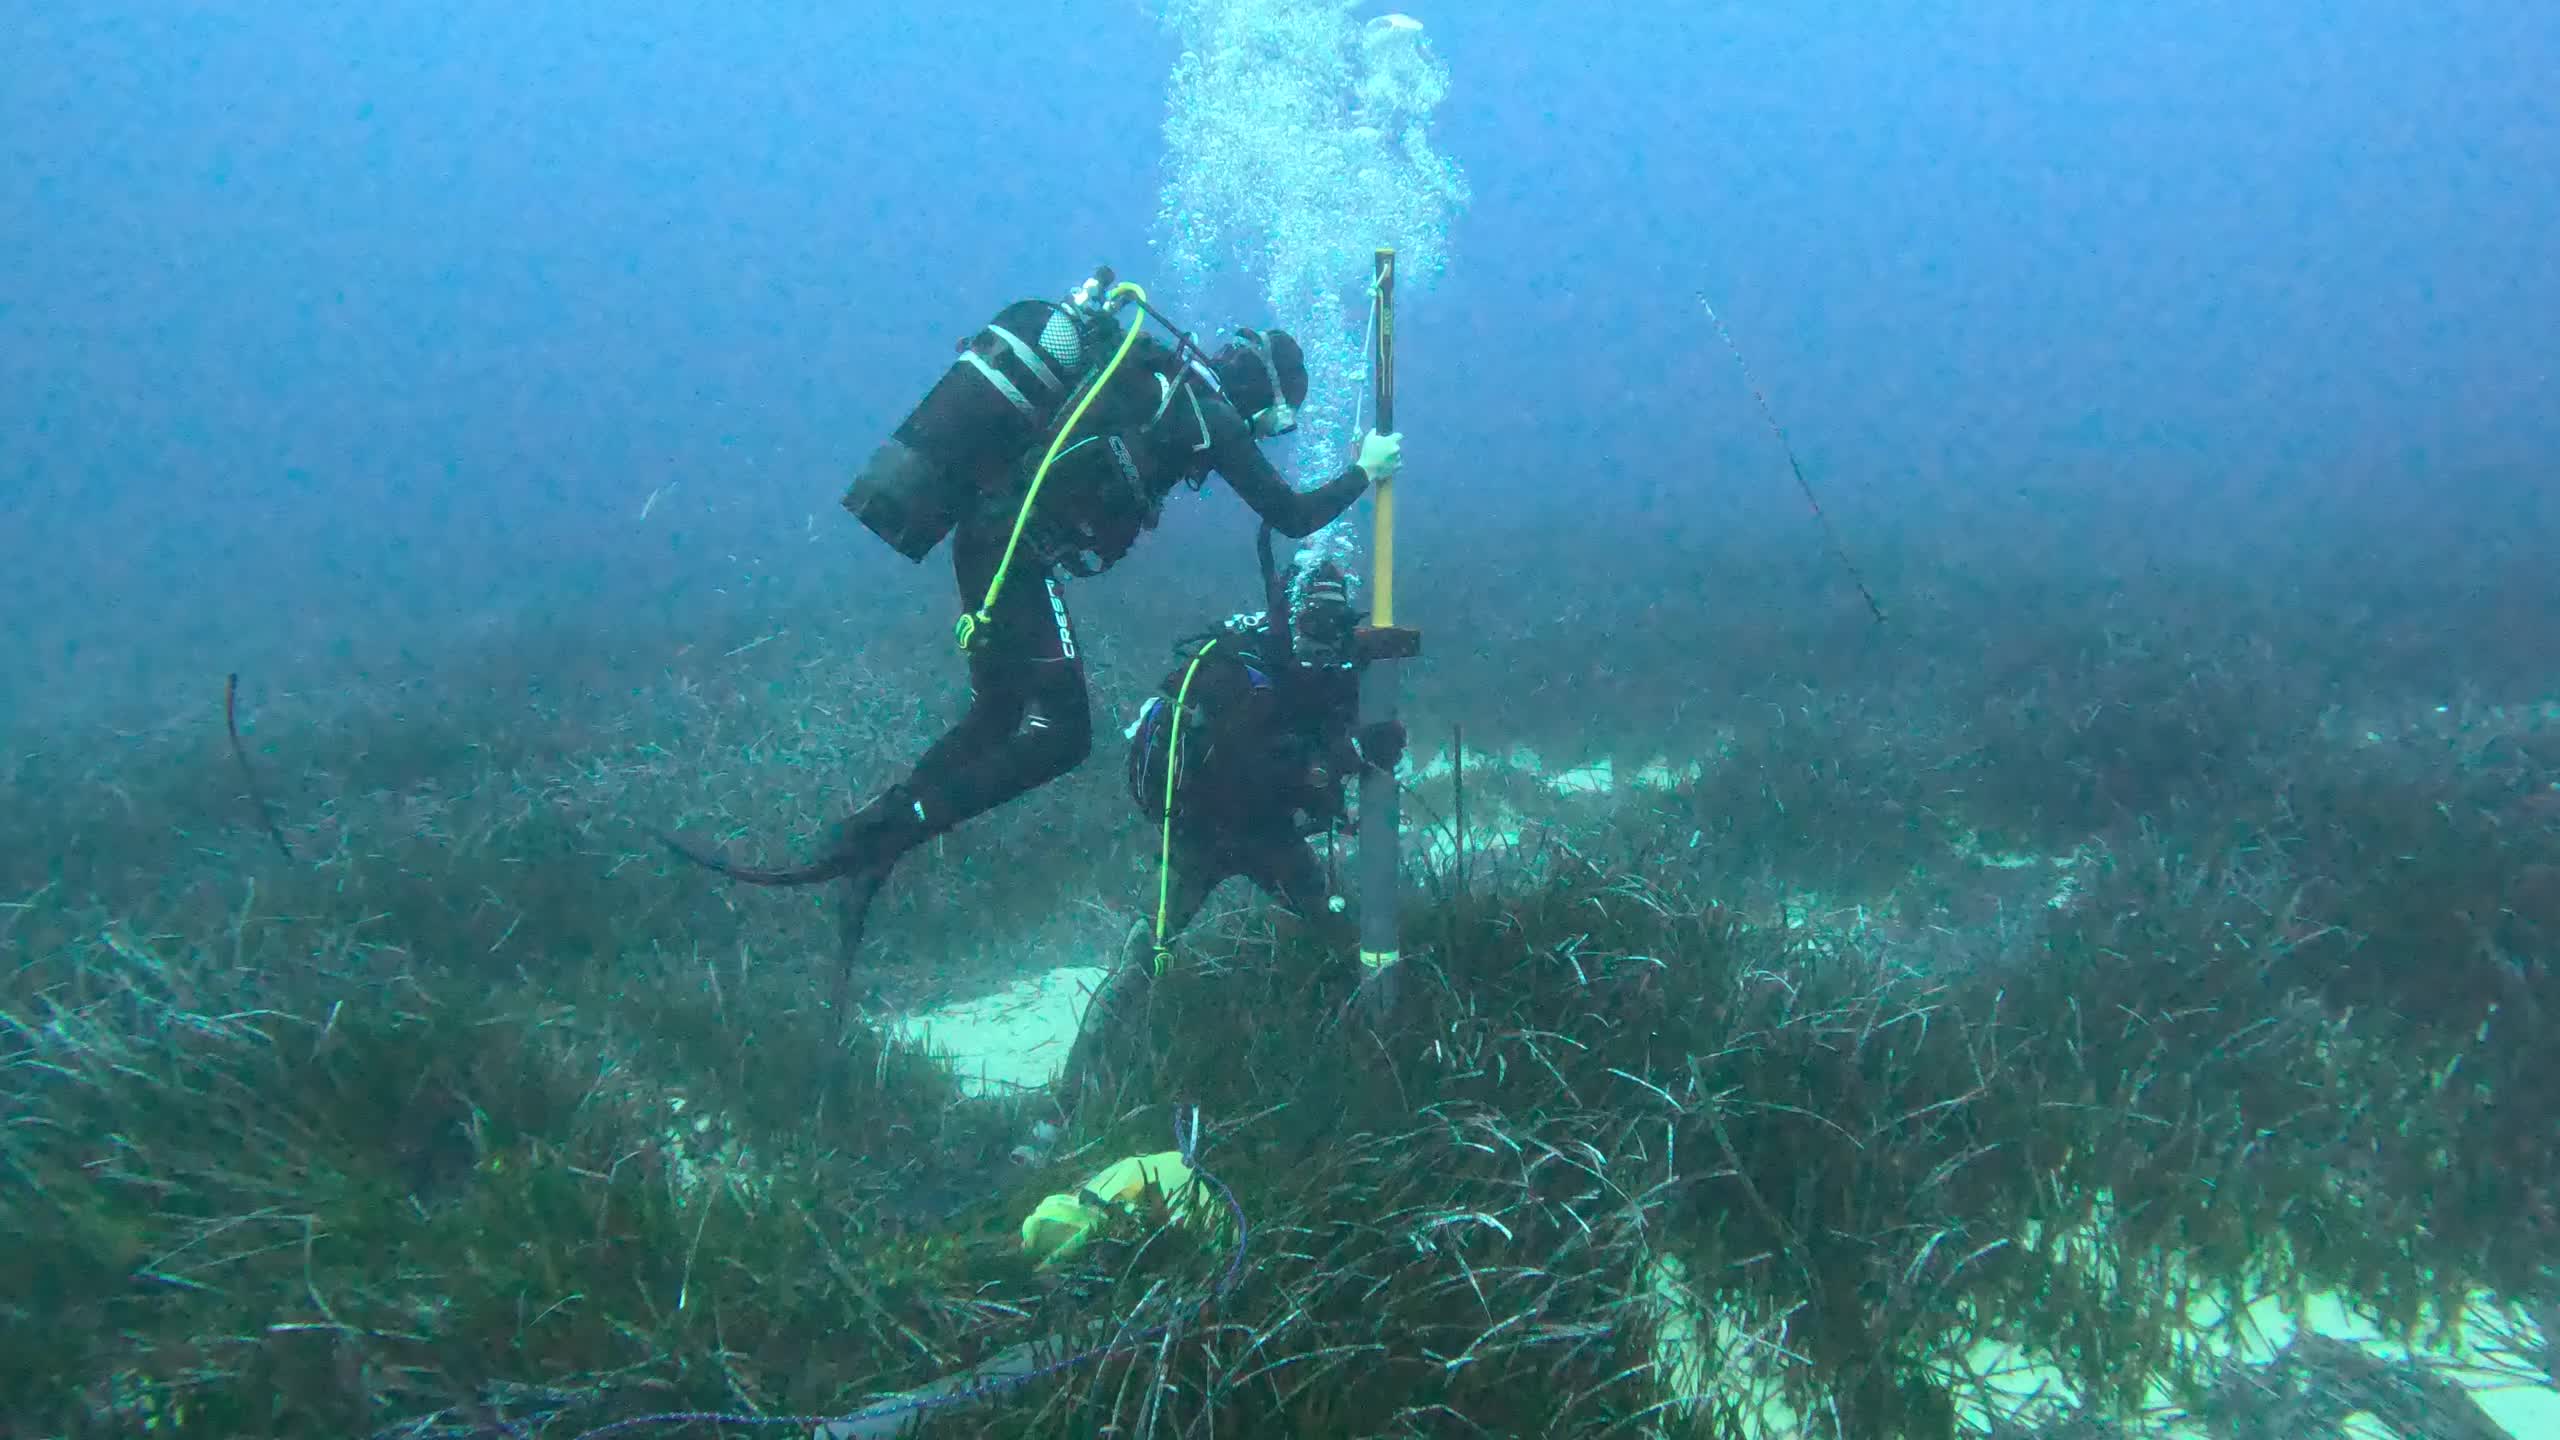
{"type": "Point", "coordinates": [1381, 455]}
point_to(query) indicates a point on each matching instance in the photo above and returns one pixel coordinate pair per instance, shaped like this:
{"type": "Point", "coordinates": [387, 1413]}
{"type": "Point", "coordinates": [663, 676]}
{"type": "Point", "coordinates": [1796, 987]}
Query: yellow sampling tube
{"type": "Point", "coordinates": [1381, 808]}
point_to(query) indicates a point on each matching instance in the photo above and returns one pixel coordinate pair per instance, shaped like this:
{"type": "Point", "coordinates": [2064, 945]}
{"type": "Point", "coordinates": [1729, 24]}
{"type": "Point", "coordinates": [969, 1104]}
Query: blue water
{"type": "Point", "coordinates": [334, 339]}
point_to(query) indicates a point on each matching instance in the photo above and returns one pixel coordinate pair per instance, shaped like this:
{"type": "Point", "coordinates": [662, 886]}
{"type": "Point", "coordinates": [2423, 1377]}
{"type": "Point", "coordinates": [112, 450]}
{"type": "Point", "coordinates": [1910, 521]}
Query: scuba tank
{"type": "Point", "coordinates": [1009, 387]}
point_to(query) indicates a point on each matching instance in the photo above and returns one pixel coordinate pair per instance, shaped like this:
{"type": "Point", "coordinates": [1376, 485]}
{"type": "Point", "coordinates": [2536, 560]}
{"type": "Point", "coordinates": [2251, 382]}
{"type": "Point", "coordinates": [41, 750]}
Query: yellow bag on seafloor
{"type": "Point", "coordinates": [1061, 1226]}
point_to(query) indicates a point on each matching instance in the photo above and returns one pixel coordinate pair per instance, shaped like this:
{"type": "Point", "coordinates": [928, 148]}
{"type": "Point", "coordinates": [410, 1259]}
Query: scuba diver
{"type": "Point", "coordinates": [1120, 436]}
{"type": "Point", "coordinates": [1259, 729]}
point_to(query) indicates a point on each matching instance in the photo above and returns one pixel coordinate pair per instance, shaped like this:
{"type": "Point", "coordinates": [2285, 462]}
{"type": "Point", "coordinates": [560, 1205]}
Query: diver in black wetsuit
{"type": "Point", "coordinates": [1030, 717]}
{"type": "Point", "coordinates": [1268, 734]}
{"type": "Point", "coordinates": [1166, 419]}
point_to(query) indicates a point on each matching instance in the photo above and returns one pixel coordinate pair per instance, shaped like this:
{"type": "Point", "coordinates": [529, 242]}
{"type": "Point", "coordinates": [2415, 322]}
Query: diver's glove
{"type": "Point", "coordinates": [1381, 456]}
{"type": "Point", "coordinates": [1381, 744]}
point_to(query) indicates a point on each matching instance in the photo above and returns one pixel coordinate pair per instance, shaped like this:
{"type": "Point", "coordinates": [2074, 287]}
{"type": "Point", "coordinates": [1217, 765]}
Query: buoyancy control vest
{"type": "Point", "coordinates": [1213, 690]}
{"type": "Point", "coordinates": [1108, 486]}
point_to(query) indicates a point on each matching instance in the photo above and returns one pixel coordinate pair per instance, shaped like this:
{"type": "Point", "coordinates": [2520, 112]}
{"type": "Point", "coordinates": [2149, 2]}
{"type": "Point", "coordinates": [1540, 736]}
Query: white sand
{"type": "Point", "coordinates": [1014, 1039]}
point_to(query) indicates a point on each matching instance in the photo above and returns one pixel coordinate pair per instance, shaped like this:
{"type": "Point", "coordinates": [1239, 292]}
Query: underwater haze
{"type": "Point", "coordinates": [335, 338]}
{"type": "Point", "coordinates": [1976, 830]}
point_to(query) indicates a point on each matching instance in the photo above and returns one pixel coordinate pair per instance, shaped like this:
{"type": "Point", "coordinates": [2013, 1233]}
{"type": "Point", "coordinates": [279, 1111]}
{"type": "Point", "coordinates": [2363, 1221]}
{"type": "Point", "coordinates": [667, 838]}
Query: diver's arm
{"type": "Point", "coordinates": [1247, 471]}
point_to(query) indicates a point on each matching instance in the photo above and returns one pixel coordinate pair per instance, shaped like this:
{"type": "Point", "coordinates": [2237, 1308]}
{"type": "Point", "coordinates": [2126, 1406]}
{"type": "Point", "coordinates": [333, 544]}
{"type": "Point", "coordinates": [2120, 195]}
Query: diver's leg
{"type": "Point", "coordinates": [999, 694]}
{"type": "Point", "coordinates": [1199, 863]}
{"type": "Point", "coordinates": [1110, 1016]}
{"type": "Point", "coordinates": [1286, 868]}
{"type": "Point", "coordinates": [872, 841]}
{"type": "Point", "coordinates": [1056, 733]}
{"type": "Point", "coordinates": [1000, 679]}
{"type": "Point", "coordinates": [1030, 718]}
{"type": "Point", "coordinates": [1110, 1022]}
{"type": "Point", "coordinates": [1000, 684]}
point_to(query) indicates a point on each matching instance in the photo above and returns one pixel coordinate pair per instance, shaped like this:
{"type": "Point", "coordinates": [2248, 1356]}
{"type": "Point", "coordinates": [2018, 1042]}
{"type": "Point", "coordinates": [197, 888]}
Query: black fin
{"type": "Point", "coordinates": [816, 872]}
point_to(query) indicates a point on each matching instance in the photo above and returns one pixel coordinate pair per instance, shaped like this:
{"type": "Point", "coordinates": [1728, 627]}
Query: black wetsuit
{"type": "Point", "coordinates": [1265, 767]}
{"type": "Point", "coordinates": [1030, 716]}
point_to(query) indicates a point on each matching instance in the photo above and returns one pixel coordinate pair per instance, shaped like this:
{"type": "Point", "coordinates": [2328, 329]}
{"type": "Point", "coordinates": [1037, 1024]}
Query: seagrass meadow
{"type": "Point", "coordinates": [2034, 1046]}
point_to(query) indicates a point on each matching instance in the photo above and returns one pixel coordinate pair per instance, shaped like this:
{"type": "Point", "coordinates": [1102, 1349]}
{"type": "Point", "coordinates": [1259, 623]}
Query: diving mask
{"type": "Point", "coordinates": [1279, 417]}
{"type": "Point", "coordinates": [1274, 420]}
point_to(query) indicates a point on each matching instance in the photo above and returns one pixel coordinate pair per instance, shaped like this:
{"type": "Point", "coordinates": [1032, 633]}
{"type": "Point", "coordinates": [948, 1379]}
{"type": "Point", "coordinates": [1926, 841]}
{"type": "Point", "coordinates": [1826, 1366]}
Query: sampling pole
{"type": "Point", "coordinates": [1382, 644]}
